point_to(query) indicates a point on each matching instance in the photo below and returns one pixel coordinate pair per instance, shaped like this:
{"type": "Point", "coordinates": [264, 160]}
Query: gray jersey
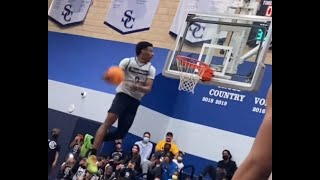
{"type": "Point", "coordinates": [135, 72]}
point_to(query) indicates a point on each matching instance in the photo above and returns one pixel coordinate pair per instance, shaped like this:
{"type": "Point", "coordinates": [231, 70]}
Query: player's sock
{"type": "Point", "coordinates": [93, 152]}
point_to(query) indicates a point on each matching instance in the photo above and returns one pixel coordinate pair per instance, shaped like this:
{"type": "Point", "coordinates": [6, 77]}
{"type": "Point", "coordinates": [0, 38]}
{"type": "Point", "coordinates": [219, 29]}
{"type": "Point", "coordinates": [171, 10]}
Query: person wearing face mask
{"type": "Point", "coordinates": [53, 149]}
{"type": "Point", "coordinates": [145, 146]}
{"type": "Point", "coordinates": [225, 168]}
{"type": "Point", "coordinates": [134, 156]}
{"type": "Point", "coordinates": [118, 155]}
{"type": "Point", "coordinates": [178, 160]}
{"type": "Point", "coordinates": [174, 148]}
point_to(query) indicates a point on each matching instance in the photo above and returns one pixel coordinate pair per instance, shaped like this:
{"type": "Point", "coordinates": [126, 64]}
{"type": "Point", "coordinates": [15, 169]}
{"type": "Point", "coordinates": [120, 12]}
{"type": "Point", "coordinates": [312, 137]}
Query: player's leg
{"type": "Point", "coordinates": [114, 133]}
{"type": "Point", "coordinates": [125, 122]}
{"type": "Point", "coordinates": [102, 131]}
{"type": "Point", "coordinates": [118, 107]}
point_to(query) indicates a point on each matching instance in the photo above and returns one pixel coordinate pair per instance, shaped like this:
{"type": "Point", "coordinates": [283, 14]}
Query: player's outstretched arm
{"type": "Point", "coordinates": [258, 163]}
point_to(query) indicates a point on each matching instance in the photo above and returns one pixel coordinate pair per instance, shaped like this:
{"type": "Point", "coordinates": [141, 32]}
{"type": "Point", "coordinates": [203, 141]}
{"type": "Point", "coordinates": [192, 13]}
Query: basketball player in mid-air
{"type": "Point", "coordinates": [258, 163]}
{"type": "Point", "coordinates": [139, 76]}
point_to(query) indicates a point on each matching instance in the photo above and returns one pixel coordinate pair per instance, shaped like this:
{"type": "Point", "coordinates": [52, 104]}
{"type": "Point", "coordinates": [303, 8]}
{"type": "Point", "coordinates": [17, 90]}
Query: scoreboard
{"type": "Point", "coordinates": [257, 35]}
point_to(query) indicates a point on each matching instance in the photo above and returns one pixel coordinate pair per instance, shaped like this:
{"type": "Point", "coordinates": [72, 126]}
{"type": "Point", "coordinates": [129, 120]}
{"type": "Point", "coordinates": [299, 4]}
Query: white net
{"type": "Point", "coordinates": [190, 71]}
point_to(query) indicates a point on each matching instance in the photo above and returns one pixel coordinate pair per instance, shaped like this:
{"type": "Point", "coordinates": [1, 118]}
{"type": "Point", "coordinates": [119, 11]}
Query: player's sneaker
{"type": "Point", "coordinates": [92, 164]}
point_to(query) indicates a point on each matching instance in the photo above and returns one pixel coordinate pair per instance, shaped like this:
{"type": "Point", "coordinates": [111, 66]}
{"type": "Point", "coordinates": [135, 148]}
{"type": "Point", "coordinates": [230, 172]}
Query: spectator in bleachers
{"type": "Point", "coordinates": [152, 167]}
{"type": "Point", "coordinates": [90, 176]}
{"type": "Point", "coordinates": [108, 173]}
{"type": "Point", "coordinates": [79, 174]}
{"type": "Point", "coordinates": [168, 167]}
{"type": "Point", "coordinates": [102, 162]}
{"type": "Point", "coordinates": [154, 171]}
{"type": "Point", "coordinates": [134, 156]}
{"type": "Point", "coordinates": [65, 172]}
{"type": "Point", "coordinates": [225, 168]}
{"type": "Point", "coordinates": [118, 155]}
{"type": "Point", "coordinates": [178, 160]}
{"type": "Point", "coordinates": [145, 146]}
{"type": "Point", "coordinates": [75, 145]}
{"type": "Point", "coordinates": [174, 148]}
{"type": "Point", "coordinates": [53, 149]}
{"type": "Point", "coordinates": [126, 171]}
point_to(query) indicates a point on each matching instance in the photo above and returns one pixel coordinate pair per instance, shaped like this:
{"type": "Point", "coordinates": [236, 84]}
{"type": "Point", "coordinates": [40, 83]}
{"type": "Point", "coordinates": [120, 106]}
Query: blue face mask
{"type": "Point", "coordinates": [146, 139]}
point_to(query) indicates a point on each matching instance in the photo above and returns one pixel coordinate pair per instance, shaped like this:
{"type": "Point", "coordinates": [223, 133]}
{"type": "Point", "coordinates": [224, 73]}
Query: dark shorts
{"type": "Point", "coordinates": [125, 107]}
{"type": "Point", "coordinates": [124, 104]}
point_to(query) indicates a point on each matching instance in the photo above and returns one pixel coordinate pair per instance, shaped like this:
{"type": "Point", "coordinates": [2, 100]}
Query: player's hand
{"type": "Point", "coordinates": [133, 86]}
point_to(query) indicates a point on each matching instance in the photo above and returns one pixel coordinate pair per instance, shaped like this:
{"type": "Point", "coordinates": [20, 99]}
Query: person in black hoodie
{"type": "Point", "coordinates": [134, 156]}
{"type": "Point", "coordinates": [53, 149]}
{"type": "Point", "coordinates": [126, 172]}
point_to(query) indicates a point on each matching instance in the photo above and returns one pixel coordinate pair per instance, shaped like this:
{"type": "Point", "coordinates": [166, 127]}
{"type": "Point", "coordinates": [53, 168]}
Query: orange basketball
{"type": "Point", "coordinates": [114, 75]}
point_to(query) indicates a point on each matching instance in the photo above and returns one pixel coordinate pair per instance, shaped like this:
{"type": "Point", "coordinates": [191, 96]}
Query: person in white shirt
{"type": "Point", "coordinates": [145, 146]}
{"type": "Point", "coordinates": [81, 170]}
{"type": "Point", "coordinates": [178, 160]}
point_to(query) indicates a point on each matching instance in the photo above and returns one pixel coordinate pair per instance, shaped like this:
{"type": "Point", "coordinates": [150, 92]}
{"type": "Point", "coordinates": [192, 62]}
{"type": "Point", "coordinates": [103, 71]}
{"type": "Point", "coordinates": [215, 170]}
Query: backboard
{"type": "Point", "coordinates": [220, 40]}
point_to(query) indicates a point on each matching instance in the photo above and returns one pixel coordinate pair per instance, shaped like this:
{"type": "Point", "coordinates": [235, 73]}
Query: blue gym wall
{"type": "Point", "coordinates": [201, 129]}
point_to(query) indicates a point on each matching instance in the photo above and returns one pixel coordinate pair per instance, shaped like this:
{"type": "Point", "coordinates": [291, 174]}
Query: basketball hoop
{"type": "Point", "coordinates": [191, 71]}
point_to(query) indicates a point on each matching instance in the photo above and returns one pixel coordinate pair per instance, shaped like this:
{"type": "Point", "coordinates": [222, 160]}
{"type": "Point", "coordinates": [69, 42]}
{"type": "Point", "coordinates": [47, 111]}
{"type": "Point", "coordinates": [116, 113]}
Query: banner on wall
{"type": "Point", "coordinates": [130, 16]}
{"type": "Point", "coordinates": [198, 32]}
{"type": "Point", "coordinates": [66, 12]}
